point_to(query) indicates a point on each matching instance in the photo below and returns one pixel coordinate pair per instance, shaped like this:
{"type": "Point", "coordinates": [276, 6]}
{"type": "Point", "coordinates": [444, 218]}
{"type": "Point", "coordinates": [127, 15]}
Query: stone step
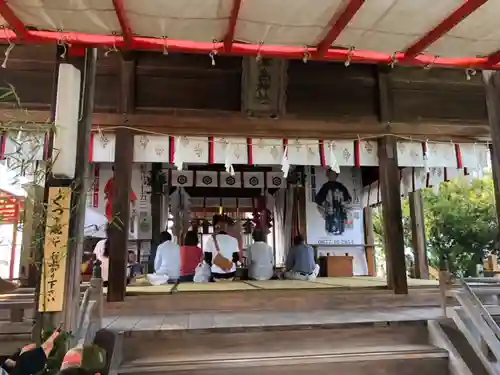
{"type": "Point", "coordinates": [379, 360]}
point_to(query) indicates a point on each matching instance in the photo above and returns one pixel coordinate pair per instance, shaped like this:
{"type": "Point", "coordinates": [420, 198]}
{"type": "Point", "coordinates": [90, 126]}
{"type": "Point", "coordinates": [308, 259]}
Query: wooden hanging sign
{"type": "Point", "coordinates": [53, 272]}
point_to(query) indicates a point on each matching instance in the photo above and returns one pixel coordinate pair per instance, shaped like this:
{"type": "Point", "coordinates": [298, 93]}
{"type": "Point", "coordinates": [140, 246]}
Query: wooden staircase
{"type": "Point", "coordinates": [280, 346]}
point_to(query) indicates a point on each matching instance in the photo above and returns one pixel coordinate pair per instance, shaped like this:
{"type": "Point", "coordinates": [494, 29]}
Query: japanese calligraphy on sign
{"type": "Point", "coordinates": [263, 87]}
{"type": "Point", "coordinates": [55, 249]}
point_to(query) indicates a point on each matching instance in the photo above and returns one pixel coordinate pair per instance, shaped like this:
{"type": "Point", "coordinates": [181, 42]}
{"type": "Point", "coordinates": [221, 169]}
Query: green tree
{"type": "Point", "coordinates": [460, 223]}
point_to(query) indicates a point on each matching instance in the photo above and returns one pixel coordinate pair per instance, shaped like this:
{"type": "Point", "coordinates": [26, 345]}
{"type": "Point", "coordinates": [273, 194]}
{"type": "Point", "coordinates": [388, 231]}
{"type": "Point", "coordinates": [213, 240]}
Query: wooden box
{"type": "Point", "coordinates": [339, 266]}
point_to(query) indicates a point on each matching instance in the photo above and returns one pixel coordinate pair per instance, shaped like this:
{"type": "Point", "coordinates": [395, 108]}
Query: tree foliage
{"type": "Point", "coordinates": [460, 224]}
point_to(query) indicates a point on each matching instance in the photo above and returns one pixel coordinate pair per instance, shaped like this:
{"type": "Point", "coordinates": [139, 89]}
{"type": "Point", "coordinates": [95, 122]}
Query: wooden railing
{"type": "Point", "coordinates": [478, 304]}
{"type": "Point", "coordinates": [89, 315]}
{"type": "Point", "coordinates": [91, 309]}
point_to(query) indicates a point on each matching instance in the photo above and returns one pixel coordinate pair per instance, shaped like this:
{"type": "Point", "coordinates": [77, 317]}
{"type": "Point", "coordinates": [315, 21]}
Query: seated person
{"type": "Point", "coordinates": [133, 267]}
{"type": "Point", "coordinates": [84, 360]}
{"type": "Point", "coordinates": [31, 359]}
{"type": "Point", "coordinates": [167, 262]}
{"type": "Point", "coordinates": [101, 253]}
{"type": "Point", "coordinates": [222, 252]}
{"type": "Point", "coordinates": [234, 229]}
{"type": "Point", "coordinates": [260, 257]}
{"type": "Point", "coordinates": [191, 256]}
{"type": "Point", "coordinates": [300, 262]}
{"type": "Point", "coordinates": [87, 266]}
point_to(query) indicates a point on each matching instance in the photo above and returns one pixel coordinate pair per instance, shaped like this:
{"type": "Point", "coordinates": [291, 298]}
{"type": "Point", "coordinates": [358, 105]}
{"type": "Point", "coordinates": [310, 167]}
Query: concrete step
{"type": "Point", "coordinates": [254, 341]}
{"type": "Point", "coordinates": [380, 360]}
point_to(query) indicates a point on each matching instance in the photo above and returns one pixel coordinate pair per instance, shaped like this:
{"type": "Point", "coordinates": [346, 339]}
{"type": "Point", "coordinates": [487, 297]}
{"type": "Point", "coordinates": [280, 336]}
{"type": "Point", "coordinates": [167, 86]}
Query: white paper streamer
{"type": "Point", "coordinates": [426, 157]}
{"type": "Point", "coordinates": [178, 159]}
{"type": "Point", "coordinates": [285, 165]}
{"type": "Point", "coordinates": [227, 163]}
{"type": "Point", "coordinates": [332, 160]}
{"type": "Point", "coordinates": [479, 167]}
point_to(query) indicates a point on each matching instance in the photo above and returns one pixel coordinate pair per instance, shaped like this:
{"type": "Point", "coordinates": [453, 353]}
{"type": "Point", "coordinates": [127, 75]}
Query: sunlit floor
{"type": "Point", "coordinates": [142, 287]}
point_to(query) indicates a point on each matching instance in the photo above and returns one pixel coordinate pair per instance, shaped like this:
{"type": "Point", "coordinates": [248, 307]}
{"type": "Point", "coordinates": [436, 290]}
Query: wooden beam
{"type": "Point", "coordinates": [462, 12]}
{"type": "Point", "coordinates": [491, 81]}
{"type": "Point", "coordinates": [12, 19]}
{"type": "Point", "coordinates": [122, 185]}
{"type": "Point", "coordinates": [157, 226]}
{"type": "Point", "coordinates": [122, 19]}
{"type": "Point", "coordinates": [392, 214]}
{"type": "Point", "coordinates": [418, 235]}
{"type": "Point", "coordinates": [233, 19]}
{"type": "Point", "coordinates": [495, 169]}
{"type": "Point", "coordinates": [118, 231]}
{"type": "Point", "coordinates": [385, 95]}
{"type": "Point", "coordinates": [203, 122]}
{"type": "Point", "coordinates": [369, 240]}
{"type": "Point", "coordinates": [338, 23]}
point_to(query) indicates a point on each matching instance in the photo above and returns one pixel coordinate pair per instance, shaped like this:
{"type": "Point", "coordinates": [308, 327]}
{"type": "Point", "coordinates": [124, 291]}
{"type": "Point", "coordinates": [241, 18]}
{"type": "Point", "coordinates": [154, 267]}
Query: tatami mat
{"type": "Point", "coordinates": [417, 282]}
{"type": "Point", "coordinates": [351, 282]}
{"type": "Point", "coordinates": [154, 289]}
{"type": "Point", "coordinates": [141, 286]}
{"type": "Point", "coordinates": [287, 284]}
{"type": "Point", "coordinates": [217, 286]}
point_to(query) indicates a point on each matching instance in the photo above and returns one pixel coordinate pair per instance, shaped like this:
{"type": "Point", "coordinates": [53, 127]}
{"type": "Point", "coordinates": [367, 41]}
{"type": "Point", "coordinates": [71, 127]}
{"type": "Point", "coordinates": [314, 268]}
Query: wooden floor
{"type": "Point", "coordinates": [360, 282]}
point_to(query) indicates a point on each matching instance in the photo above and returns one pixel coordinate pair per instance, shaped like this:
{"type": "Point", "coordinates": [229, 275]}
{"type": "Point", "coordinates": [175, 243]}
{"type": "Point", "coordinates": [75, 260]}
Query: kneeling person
{"type": "Point", "coordinates": [300, 263]}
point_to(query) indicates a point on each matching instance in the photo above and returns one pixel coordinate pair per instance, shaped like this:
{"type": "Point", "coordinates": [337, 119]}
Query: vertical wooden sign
{"type": "Point", "coordinates": [263, 87]}
{"type": "Point", "coordinates": [53, 272]}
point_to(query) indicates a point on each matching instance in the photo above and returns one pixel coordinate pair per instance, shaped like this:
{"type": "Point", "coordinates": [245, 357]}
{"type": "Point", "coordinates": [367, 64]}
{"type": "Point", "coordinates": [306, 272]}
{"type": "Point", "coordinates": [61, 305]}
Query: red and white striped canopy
{"type": "Point", "coordinates": [453, 33]}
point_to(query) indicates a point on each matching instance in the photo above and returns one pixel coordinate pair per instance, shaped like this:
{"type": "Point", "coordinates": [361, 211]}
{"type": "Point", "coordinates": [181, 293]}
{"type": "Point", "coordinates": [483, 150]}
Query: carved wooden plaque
{"type": "Point", "coordinates": [264, 87]}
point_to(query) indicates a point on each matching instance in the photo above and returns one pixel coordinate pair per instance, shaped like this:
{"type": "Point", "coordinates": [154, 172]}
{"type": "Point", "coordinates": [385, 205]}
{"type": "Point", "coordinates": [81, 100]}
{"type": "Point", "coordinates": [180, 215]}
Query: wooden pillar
{"type": "Point", "coordinates": [392, 214]}
{"type": "Point", "coordinates": [65, 191]}
{"type": "Point", "coordinates": [369, 240]}
{"type": "Point", "coordinates": [418, 235]}
{"type": "Point", "coordinates": [156, 210]}
{"type": "Point", "coordinates": [122, 185]}
{"type": "Point", "coordinates": [491, 80]}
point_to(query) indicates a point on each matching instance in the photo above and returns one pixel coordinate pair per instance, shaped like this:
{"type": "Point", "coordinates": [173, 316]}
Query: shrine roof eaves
{"type": "Point", "coordinates": [449, 33]}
